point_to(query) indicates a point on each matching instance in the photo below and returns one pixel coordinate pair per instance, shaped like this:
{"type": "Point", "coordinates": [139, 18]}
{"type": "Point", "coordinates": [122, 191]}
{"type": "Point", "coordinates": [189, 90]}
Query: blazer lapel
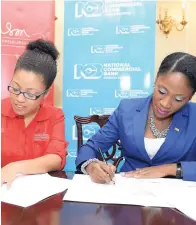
{"type": "Point", "coordinates": [179, 123]}
{"type": "Point", "coordinates": [139, 125]}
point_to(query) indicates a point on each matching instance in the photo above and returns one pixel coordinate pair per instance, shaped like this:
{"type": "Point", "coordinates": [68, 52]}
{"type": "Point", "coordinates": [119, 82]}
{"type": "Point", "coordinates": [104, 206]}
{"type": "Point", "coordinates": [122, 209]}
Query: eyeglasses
{"type": "Point", "coordinates": [27, 95]}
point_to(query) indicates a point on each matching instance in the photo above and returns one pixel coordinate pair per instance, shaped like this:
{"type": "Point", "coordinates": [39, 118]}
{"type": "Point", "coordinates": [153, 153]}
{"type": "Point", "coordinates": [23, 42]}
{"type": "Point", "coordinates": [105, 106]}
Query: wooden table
{"type": "Point", "coordinates": [54, 211]}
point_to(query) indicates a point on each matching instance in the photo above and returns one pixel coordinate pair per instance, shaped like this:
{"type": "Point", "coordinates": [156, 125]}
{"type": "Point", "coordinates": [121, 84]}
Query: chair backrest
{"type": "Point", "coordinates": [100, 120]}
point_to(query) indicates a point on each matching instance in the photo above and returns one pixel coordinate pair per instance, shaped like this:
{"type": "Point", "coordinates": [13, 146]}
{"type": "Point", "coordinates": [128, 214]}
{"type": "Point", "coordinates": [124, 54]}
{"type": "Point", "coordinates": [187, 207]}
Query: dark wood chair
{"type": "Point", "coordinates": [100, 120]}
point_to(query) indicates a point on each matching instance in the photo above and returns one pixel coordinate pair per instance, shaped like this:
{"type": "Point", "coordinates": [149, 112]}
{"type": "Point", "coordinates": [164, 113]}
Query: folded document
{"type": "Point", "coordinates": [30, 189]}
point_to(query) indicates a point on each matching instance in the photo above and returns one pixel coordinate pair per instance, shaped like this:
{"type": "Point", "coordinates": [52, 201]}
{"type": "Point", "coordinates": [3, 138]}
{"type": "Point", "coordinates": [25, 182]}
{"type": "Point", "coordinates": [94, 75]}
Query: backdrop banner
{"type": "Point", "coordinates": [23, 22]}
{"type": "Point", "coordinates": [109, 54]}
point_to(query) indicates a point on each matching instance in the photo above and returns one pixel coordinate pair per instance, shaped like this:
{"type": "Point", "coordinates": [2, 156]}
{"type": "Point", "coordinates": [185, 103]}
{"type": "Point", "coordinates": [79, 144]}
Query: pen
{"type": "Point", "coordinates": [100, 151]}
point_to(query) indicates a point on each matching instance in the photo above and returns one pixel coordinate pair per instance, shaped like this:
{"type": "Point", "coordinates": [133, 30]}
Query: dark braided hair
{"type": "Point", "coordinates": [40, 57]}
{"type": "Point", "coordinates": [180, 62]}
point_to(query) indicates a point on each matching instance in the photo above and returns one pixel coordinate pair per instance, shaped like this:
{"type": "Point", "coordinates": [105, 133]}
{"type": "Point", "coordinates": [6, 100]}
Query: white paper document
{"type": "Point", "coordinates": [30, 189]}
{"type": "Point", "coordinates": [182, 197]}
{"type": "Point", "coordinates": [185, 202]}
{"type": "Point", "coordinates": [125, 191]}
{"type": "Point", "coordinates": [160, 192]}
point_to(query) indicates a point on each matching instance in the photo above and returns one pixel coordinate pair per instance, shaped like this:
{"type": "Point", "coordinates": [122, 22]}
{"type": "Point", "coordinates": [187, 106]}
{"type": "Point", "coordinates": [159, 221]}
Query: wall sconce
{"type": "Point", "coordinates": [167, 23]}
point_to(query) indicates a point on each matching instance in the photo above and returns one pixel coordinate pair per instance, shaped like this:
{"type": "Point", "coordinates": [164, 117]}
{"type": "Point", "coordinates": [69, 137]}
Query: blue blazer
{"type": "Point", "coordinates": [127, 124]}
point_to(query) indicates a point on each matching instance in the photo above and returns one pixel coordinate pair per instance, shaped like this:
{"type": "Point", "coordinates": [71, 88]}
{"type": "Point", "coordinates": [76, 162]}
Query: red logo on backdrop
{"type": "Point", "coordinates": [23, 22]}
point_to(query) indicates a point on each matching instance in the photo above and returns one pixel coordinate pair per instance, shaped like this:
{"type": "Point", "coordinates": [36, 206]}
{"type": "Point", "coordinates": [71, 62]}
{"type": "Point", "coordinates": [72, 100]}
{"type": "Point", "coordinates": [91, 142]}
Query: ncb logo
{"type": "Point", "coordinates": [74, 32]}
{"type": "Point", "coordinates": [123, 29]}
{"type": "Point", "coordinates": [85, 31]}
{"type": "Point", "coordinates": [100, 49]}
{"type": "Point", "coordinates": [76, 93]}
{"type": "Point", "coordinates": [88, 131]}
{"type": "Point", "coordinates": [89, 9]}
{"type": "Point", "coordinates": [101, 111]}
{"type": "Point", "coordinates": [80, 93]}
{"type": "Point", "coordinates": [88, 71]}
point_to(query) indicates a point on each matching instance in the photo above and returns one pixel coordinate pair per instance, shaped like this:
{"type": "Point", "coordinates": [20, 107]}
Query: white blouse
{"type": "Point", "coordinates": [152, 145]}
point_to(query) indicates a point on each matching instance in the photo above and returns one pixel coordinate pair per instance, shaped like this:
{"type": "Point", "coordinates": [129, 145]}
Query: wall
{"type": "Point", "coordinates": [176, 41]}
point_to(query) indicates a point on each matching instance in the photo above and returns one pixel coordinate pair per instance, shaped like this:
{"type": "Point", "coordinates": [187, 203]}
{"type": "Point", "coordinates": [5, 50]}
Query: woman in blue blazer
{"type": "Point", "coordinates": [157, 133]}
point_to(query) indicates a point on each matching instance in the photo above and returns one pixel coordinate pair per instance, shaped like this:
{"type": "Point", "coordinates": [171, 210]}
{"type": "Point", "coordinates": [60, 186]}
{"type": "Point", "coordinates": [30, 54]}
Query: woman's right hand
{"type": "Point", "coordinates": [100, 172]}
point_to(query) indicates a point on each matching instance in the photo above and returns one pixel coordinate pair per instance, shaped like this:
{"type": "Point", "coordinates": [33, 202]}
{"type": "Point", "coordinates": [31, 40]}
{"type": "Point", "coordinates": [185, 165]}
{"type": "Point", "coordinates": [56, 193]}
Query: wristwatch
{"type": "Point", "coordinates": [179, 173]}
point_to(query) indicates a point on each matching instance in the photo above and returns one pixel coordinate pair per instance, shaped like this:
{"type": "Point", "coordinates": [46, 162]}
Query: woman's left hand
{"type": "Point", "coordinates": [152, 172]}
{"type": "Point", "coordinates": [8, 173]}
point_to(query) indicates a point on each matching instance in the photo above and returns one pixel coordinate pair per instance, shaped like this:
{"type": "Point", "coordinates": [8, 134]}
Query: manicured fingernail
{"type": "Point", "coordinates": [122, 174]}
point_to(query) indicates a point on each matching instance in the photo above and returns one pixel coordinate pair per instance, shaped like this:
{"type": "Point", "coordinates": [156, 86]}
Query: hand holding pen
{"type": "Point", "coordinates": [101, 172]}
{"type": "Point", "coordinates": [103, 158]}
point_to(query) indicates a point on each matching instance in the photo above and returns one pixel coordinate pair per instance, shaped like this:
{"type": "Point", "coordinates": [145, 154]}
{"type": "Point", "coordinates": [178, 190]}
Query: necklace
{"type": "Point", "coordinates": [155, 131]}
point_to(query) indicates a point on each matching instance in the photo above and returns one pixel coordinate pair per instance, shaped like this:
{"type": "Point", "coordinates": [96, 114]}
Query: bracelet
{"type": "Point", "coordinates": [85, 164]}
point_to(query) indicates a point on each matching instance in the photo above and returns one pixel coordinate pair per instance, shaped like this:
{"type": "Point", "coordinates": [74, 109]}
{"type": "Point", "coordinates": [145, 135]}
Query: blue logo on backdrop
{"type": "Point", "coordinates": [85, 31]}
{"type": "Point", "coordinates": [88, 131]}
{"type": "Point", "coordinates": [105, 49]}
{"type": "Point", "coordinates": [89, 9]}
{"type": "Point", "coordinates": [107, 57]}
{"type": "Point", "coordinates": [134, 29]}
{"type": "Point", "coordinates": [88, 71]}
{"type": "Point", "coordinates": [91, 71]}
{"type": "Point", "coordinates": [101, 111]}
{"type": "Point", "coordinates": [80, 93]}
{"type": "Point", "coordinates": [92, 9]}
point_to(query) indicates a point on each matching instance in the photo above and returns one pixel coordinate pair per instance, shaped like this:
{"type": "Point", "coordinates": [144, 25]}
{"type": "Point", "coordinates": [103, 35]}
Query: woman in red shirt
{"type": "Point", "coordinates": [33, 133]}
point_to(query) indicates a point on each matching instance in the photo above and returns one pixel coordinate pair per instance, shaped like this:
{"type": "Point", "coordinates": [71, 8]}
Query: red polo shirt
{"type": "Point", "coordinates": [44, 135]}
